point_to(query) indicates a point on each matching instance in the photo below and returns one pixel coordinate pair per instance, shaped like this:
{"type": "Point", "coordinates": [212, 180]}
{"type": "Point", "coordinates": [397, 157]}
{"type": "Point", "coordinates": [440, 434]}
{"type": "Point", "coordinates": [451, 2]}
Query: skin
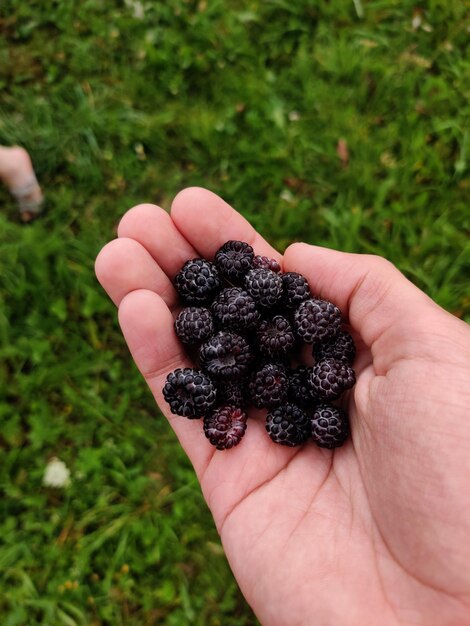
{"type": "Point", "coordinates": [375, 532]}
{"type": "Point", "coordinates": [16, 172]}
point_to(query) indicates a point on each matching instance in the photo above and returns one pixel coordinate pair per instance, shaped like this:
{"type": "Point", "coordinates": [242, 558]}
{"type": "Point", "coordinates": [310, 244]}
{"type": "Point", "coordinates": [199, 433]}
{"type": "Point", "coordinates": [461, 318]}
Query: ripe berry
{"type": "Point", "coordinates": [264, 286]}
{"type": "Point", "coordinates": [317, 320]}
{"type": "Point", "coordinates": [288, 425]}
{"type": "Point", "coordinates": [197, 281]}
{"type": "Point", "coordinates": [268, 386]}
{"type": "Point", "coordinates": [234, 259]}
{"type": "Point", "coordinates": [234, 392]}
{"type": "Point", "coordinates": [194, 324]}
{"type": "Point", "coordinates": [299, 391]}
{"type": "Point", "coordinates": [225, 355]}
{"type": "Point", "coordinates": [329, 378]}
{"type": "Point", "coordinates": [275, 336]}
{"type": "Point", "coordinates": [189, 392]}
{"type": "Point", "coordinates": [296, 289]}
{"type": "Point", "coordinates": [330, 426]}
{"type": "Point", "coordinates": [234, 309]}
{"type": "Point", "coordinates": [341, 348]}
{"type": "Point", "coordinates": [225, 426]}
{"type": "Point", "coordinates": [265, 263]}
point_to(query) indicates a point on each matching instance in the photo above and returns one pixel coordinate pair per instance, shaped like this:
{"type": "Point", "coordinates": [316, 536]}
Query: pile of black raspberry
{"type": "Point", "coordinates": [246, 320]}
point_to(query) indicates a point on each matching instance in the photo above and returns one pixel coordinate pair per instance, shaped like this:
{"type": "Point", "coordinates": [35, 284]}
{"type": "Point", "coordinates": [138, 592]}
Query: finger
{"type": "Point", "coordinates": [207, 222]}
{"type": "Point", "coordinates": [124, 265]}
{"type": "Point", "coordinates": [154, 229]}
{"type": "Point", "coordinates": [378, 300]}
{"type": "Point", "coordinates": [147, 326]}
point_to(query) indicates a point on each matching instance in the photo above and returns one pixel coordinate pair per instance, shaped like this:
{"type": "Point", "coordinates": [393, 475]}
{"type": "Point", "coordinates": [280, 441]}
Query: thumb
{"type": "Point", "coordinates": [379, 302]}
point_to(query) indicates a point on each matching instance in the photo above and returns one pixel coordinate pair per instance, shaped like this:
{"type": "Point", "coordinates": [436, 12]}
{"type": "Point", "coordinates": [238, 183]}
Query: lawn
{"type": "Point", "coordinates": [343, 123]}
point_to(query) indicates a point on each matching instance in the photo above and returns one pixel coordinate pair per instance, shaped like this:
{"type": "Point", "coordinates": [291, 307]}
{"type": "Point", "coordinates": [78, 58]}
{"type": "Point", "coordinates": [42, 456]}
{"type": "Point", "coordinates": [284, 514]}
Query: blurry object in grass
{"type": "Point", "coordinates": [57, 474]}
{"type": "Point", "coordinates": [343, 152]}
{"type": "Point", "coordinates": [137, 8]}
{"type": "Point", "coordinates": [417, 19]}
{"type": "Point", "coordinates": [17, 173]}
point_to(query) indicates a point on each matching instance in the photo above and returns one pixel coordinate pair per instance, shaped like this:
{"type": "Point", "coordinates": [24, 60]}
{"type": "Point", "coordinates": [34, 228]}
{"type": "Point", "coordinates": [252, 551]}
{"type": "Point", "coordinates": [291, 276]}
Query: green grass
{"type": "Point", "coordinates": [250, 100]}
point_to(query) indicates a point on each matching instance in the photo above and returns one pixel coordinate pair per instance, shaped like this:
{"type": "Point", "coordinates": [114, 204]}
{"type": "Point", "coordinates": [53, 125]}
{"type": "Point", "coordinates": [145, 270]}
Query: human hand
{"type": "Point", "coordinates": [373, 533]}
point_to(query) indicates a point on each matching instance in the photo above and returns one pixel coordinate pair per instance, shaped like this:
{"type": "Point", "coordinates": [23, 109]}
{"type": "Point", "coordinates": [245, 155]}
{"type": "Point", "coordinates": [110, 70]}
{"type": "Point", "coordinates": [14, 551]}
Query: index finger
{"type": "Point", "coordinates": [207, 222]}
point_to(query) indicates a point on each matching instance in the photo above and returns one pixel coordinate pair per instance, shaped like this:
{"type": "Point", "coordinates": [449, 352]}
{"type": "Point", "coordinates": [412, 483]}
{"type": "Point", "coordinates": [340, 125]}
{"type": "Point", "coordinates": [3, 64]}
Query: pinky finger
{"type": "Point", "coordinates": [147, 326]}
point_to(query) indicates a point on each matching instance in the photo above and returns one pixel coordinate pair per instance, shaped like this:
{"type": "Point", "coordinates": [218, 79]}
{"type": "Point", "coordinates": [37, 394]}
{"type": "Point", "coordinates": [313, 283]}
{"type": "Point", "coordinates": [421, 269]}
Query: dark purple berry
{"type": "Point", "coordinates": [296, 289]}
{"type": "Point", "coordinates": [275, 336]}
{"type": "Point", "coordinates": [198, 281]}
{"type": "Point", "coordinates": [268, 386]}
{"type": "Point", "coordinates": [265, 263]}
{"type": "Point", "coordinates": [299, 391]}
{"type": "Point", "coordinates": [317, 320]}
{"type": "Point", "coordinates": [225, 355]}
{"type": "Point", "coordinates": [194, 324]}
{"type": "Point", "coordinates": [225, 426]}
{"type": "Point", "coordinates": [341, 348]}
{"type": "Point", "coordinates": [288, 425]}
{"type": "Point", "coordinates": [330, 426]}
{"type": "Point", "coordinates": [234, 392]}
{"type": "Point", "coordinates": [264, 286]}
{"type": "Point", "coordinates": [329, 378]}
{"type": "Point", "coordinates": [234, 259]}
{"type": "Point", "coordinates": [189, 392]}
{"type": "Point", "coordinates": [234, 309]}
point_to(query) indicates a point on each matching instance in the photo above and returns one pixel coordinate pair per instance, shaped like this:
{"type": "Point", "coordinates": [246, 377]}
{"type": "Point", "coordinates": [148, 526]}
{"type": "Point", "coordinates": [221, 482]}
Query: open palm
{"type": "Point", "coordinates": [376, 532]}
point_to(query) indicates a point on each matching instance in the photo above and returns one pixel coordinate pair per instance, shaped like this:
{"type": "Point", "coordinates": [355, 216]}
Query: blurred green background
{"type": "Point", "coordinates": [336, 122]}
